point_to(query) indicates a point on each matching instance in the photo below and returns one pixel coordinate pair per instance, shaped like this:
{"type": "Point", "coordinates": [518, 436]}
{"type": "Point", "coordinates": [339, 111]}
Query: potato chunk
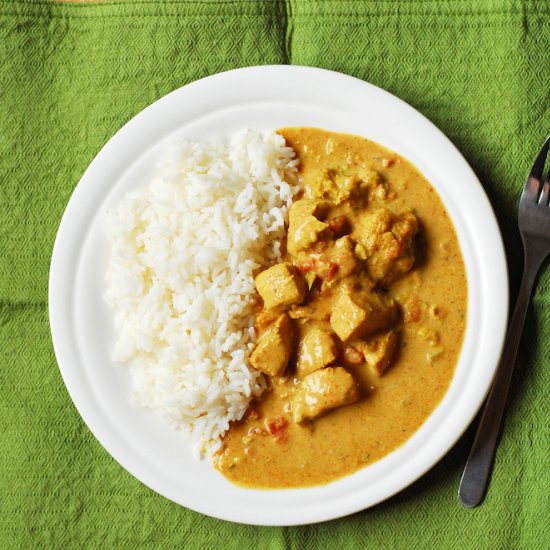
{"type": "Point", "coordinates": [272, 351]}
{"type": "Point", "coordinates": [385, 242]}
{"type": "Point", "coordinates": [322, 391]}
{"type": "Point", "coordinates": [378, 352]}
{"type": "Point", "coordinates": [304, 228]}
{"type": "Point", "coordinates": [361, 314]}
{"type": "Point", "coordinates": [280, 286]}
{"type": "Point", "coordinates": [317, 350]}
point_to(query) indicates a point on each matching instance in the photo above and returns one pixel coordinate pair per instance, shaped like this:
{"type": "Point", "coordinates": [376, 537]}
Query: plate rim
{"type": "Point", "coordinates": [59, 338]}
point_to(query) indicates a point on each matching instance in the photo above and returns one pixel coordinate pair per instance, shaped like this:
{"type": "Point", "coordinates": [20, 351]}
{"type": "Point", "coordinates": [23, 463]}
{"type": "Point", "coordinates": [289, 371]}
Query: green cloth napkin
{"type": "Point", "coordinates": [72, 74]}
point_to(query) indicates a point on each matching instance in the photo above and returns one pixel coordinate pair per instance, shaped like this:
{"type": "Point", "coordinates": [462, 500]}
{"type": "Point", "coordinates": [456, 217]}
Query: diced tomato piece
{"type": "Point", "coordinates": [304, 267]}
{"type": "Point", "coordinates": [277, 426]}
{"type": "Point", "coordinates": [337, 225]}
{"type": "Point", "coordinates": [413, 309]}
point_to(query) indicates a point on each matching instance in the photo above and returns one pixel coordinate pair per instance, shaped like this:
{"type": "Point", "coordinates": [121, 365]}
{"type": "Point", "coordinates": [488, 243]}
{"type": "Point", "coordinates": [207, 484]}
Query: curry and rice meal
{"type": "Point", "coordinates": [296, 301]}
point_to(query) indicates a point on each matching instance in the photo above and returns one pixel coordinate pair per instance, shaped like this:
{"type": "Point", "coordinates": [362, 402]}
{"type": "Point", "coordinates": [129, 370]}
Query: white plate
{"type": "Point", "coordinates": [266, 97]}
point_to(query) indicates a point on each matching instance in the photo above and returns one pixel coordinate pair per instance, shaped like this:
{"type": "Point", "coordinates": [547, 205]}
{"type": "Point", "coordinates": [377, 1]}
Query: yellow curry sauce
{"type": "Point", "coordinates": [416, 295]}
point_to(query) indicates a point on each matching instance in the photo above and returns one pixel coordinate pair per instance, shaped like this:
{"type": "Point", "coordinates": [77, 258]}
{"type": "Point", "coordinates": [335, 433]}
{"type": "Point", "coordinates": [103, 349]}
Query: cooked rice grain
{"type": "Point", "coordinates": [183, 254]}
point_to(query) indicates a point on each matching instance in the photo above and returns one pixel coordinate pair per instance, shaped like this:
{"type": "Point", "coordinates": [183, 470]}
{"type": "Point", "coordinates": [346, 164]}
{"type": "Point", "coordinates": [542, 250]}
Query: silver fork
{"type": "Point", "coordinates": [534, 227]}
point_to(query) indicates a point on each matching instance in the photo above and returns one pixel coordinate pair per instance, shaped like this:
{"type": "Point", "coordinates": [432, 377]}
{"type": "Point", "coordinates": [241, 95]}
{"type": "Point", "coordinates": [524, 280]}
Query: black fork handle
{"type": "Point", "coordinates": [475, 478]}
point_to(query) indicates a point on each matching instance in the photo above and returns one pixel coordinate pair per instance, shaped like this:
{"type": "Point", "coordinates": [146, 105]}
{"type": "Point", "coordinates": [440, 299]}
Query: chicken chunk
{"type": "Point", "coordinates": [272, 351]}
{"type": "Point", "coordinates": [317, 350]}
{"type": "Point", "coordinates": [303, 208]}
{"type": "Point", "coordinates": [385, 240]}
{"type": "Point", "coordinates": [342, 255]}
{"type": "Point", "coordinates": [280, 286]}
{"type": "Point", "coordinates": [337, 187]}
{"type": "Point", "coordinates": [265, 318]}
{"type": "Point", "coordinates": [329, 267]}
{"type": "Point", "coordinates": [378, 352]}
{"type": "Point", "coordinates": [361, 314]}
{"type": "Point", "coordinates": [304, 229]}
{"type": "Point", "coordinates": [322, 391]}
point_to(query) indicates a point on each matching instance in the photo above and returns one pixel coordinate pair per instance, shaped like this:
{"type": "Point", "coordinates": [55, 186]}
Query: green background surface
{"type": "Point", "coordinates": [72, 75]}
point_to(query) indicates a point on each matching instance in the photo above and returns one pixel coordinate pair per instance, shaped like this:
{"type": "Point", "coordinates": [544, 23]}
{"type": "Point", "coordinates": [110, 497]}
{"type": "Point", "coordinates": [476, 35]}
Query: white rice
{"type": "Point", "coordinates": [184, 251]}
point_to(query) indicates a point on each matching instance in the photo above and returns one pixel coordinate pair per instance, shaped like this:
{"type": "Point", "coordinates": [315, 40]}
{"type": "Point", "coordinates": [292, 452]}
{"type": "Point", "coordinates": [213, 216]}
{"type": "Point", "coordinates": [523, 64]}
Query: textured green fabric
{"type": "Point", "coordinates": [72, 75]}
